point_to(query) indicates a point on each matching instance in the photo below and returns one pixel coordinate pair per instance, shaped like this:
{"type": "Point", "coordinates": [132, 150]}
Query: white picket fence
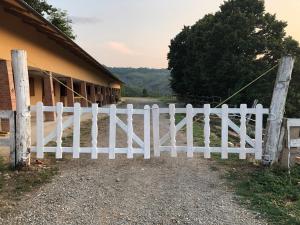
{"type": "Point", "coordinates": [247, 144]}
{"type": "Point", "coordinates": [94, 150]}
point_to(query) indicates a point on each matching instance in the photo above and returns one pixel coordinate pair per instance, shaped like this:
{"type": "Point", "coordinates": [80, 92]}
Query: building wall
{"type": "Point", "coordinates": [45, 53]}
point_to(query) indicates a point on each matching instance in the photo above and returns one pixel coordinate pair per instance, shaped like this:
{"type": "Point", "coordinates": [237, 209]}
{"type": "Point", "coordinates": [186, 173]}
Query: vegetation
{"type": "Point", "coordinates": [224, 51]}
{"type": "Point", "coordinates": [143, 81]}
{"type": "Point", "coordinates": [57, 17]}
{"type": "Point", "coordinates": [270, 191]}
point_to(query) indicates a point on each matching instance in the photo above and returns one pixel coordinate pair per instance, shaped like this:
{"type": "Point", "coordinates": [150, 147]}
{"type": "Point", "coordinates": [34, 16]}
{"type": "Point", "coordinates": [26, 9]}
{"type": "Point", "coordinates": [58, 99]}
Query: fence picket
{"type": "Point", "coordinates": [155, 124]}
{"type": "Point", "coordinates": [39, 130]}
{"type": "Point", "coordinates": [258, 131]}
{"type": "Point", "coordinates": [243, 131]}
{"type": "Point", "coordinates": [147, 132]}
{"type": "Point", "coordinates": [94, 131]}
{"type": "Point", "coordinates": [172, 130]}
{"type": "Point", "coordinates": [207, 131]}
{"type": "Point", "coordinates": [112, 131]}
{"type": "Point", "coordinates": [76, 130]}
{"type": "Point", "coordinates": [129, 131]}
{"type": "Point", "coordinates": [224, 153]}
{"type": "Point", "coordinates": [59, 130]}
{"type": "Point", "coordinates": [189, 130]}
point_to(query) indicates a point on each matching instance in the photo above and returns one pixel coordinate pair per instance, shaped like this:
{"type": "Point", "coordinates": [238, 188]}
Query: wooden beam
{"type": "Point", "coordinates": [70, 93]}
{"type": "Point", "coordinates": [49, 99]}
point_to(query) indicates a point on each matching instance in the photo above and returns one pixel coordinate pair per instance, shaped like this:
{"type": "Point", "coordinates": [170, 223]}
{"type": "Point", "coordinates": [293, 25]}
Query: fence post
{"type": "Point", "coordinates": [155, 124]}
{"type": "Point", "coordinates": [271, 150]}
{"type": "Point", "coordinates": [23, 126]}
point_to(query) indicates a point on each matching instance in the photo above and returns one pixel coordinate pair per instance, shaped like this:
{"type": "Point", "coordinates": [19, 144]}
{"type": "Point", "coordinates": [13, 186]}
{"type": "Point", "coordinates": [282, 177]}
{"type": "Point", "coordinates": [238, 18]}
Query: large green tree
{"type": "Point", "coordinates": [57, 17]}
{"type": "Point", "coordinates": [224, 51]}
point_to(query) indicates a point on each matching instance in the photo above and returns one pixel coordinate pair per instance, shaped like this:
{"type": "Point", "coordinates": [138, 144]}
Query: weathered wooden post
{"type": "Point", "coordinates": [277, 108]}
{"type": "Point", "coordinates": [23, 126]}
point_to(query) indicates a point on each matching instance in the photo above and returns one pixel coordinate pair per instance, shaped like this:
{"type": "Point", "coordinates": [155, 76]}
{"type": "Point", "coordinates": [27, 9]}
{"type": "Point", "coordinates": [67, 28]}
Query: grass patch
{"type": "Point", "coordinates": [270, 191]}
{"type": "Point", "coordinates": [14, 183]}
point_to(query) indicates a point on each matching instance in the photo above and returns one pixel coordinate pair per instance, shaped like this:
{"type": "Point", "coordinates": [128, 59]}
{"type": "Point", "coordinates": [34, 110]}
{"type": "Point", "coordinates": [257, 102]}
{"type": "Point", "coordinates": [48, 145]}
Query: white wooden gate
{"type": "Point", "coordinates": [247, 144]}
{"type": "Point", "coordinates": [94, 150]}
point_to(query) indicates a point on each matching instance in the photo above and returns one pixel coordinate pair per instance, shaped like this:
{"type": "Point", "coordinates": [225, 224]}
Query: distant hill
{"type": "Point", "coordinates": [143, 81]}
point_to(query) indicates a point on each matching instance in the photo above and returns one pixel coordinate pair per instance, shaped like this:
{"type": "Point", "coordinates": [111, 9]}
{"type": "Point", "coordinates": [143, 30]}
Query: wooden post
{"type": "Point", "coordinates": [271, 148]}
{"type": "Point", "coordinates": [49, 99]}
{"type": "Point", "coordinates": [83, 92]}
{"type": "Point", "coordinates": [93, 93]}
{"type": "Point", "coordinates": [70, 94]}
{"type": "Point", "coordinates": [23, 126]}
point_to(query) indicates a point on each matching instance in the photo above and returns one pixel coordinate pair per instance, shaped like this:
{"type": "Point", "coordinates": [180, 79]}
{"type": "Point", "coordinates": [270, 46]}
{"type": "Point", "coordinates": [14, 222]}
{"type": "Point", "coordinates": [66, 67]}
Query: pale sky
{"type": "Point", "coordinates": [136, 33]}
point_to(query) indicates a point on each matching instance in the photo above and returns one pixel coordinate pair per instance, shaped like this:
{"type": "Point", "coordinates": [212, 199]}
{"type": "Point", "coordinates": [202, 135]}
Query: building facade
{"type": "Point", "coordinates": [58, 67]}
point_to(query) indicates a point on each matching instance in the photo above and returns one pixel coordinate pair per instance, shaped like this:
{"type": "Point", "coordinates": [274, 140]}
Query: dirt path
{"type": "Point", "coordinates": [158, 191]}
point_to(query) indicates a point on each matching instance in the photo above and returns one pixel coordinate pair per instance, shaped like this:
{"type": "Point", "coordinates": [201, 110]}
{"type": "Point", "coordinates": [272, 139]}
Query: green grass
{"type": "Point", "coordinates": [269, 191]}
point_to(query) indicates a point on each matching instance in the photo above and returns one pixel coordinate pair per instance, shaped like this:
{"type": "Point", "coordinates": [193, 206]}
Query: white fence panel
{"type": "Point", "coordinates": [114, 121]}
{"type": "Point", "coordinates": [246, 146]}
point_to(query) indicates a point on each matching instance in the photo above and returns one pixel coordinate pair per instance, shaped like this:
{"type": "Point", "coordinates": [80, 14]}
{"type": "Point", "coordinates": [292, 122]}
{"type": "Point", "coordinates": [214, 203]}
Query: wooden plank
{"type": "Point", "coordinates": [224, 154]}
{"type": "Point", "coordinates": [94, 130]}
{"type": "Point", "coordinates": [76, 130]}
{"type": "Point", "coordinates": [243, 131]}
{"type": "Point", "coordinates": [147, 132]}
{"type": "Point", "coordinates": [155, 128]}
{"type": "Point", "coordinates": [59, 130]}
{"type": "Point", "coordinates": [258, 131]}
{"type": "Point", "coordinates": [129, 130]}
{"type": "Point", "coordinates": [23, 124]}
{"type": "Point", "coordinates": [39, 130]}
{"type": "Point", "coordinates": [123, 126]}
{"type": "Point", "coordinates": [189, 130]}
{"type": "Point", "coordinates": [207, 131]}
{"type": "Point", "coordinates": [277, 108]}
{"type": "Point", "coordinates": [112, 131]}
{"type": "Point", "coordinates": [172, 130]}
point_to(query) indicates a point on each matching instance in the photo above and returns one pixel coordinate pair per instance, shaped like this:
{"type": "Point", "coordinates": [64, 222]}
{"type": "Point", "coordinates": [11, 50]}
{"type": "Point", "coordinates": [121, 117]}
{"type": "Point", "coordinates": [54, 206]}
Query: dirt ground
{"type": "Point", "coordinates": [161, 190]}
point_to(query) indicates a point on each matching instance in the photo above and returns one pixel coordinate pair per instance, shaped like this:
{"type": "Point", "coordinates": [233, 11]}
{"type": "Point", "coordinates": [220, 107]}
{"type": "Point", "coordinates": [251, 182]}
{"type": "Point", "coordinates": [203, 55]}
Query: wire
{"type": "Point", "coordinates": [247, 85]}
{"type": "Point", "coordinates": [241, 89]}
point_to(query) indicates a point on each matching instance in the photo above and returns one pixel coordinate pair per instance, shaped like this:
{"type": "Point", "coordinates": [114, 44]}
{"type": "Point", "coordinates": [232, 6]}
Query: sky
{"type": "Point", "coordinates": [137, 33]}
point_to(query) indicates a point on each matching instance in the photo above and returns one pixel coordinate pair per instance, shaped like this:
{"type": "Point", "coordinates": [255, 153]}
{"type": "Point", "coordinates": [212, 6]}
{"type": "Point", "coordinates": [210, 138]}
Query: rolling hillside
{"type": "Point", "coordinates": [154, 82]}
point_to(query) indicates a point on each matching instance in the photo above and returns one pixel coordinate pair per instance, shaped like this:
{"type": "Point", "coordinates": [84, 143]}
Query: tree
{"type": "Point", "coordinates": [57, 17]}
{"type": "Point", "coordinates": [224, 51]}
{"type": "Point", "coordinates": [145, 93]}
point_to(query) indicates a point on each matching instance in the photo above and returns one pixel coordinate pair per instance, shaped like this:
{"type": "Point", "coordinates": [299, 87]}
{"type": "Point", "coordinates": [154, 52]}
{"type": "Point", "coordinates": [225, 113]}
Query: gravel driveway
{"type": "Point", "coordinates": [161, 190]}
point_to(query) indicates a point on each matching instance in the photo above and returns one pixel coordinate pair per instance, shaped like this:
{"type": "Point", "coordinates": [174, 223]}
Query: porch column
{"type": "Point", "coordinates": [49, 99]}
{"type": "Point", "coordinates": [70, 94]}
{"type": "Point", "coordinates": [7, 91]}
{"type": "Point", "coordinates": [83, 92]}
{"type": "Point", "coordinates": [104, 95]}
{"type": "Point", "coordinates": [92, 93]}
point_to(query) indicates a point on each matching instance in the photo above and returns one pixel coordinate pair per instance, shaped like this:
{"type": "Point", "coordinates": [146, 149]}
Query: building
{"type": "Point", "coordinates": [49, 51]}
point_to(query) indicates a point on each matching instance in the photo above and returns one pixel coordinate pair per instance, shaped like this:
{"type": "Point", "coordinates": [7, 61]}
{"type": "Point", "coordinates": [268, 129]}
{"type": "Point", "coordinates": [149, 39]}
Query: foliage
{"type": "Point", "coordinates": [271, 191]}
{"type": "Point", "coordinates": [155, 81]}
{"type": "Point", "coordinates": [145, 92]}
{"type": "Point", "coordinates": [57, 17]}
{"type": "Point", "coordinates": [224, 51]}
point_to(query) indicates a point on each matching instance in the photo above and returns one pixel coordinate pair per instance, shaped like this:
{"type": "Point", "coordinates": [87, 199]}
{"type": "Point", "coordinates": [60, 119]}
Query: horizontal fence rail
{"type": "Point", "coordinates": [247, 145]}
{"type": "Point", "coordinates": [94, 150]}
